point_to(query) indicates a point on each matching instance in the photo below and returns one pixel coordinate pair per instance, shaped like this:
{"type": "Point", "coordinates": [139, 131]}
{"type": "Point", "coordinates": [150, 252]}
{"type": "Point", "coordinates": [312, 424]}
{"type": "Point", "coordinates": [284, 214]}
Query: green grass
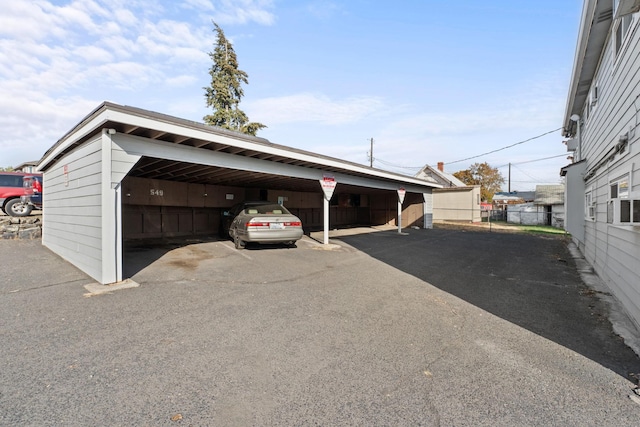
{"type": "Point", "coordinates": [531, 228]}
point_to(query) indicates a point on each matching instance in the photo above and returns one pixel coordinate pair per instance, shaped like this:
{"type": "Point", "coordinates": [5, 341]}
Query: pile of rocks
{"type": "Point", "coordinates": [29, 227]}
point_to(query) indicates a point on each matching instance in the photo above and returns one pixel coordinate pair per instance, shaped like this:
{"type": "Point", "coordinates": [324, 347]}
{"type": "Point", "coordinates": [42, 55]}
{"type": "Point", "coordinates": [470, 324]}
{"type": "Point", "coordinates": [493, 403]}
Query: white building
{"type": "Point", "coordinates": [601, 121]}
{"type": "Point", "coordinates": [547, 208]}
{"type": "Point", "coordinates": [455, 201]}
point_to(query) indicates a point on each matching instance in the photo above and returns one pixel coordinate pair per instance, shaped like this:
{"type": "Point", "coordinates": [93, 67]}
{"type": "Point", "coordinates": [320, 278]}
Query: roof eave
{"type": "Point", "coordinates": [595, 23]}
{"type": "Point", "coordinates": [109, 112]}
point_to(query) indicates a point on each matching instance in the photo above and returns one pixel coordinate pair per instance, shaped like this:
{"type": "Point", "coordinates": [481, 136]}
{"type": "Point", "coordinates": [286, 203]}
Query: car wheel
{"type": "Point", "coordinates": [236, 240]}
{"type": "Point", "coordinates": [15, 207]}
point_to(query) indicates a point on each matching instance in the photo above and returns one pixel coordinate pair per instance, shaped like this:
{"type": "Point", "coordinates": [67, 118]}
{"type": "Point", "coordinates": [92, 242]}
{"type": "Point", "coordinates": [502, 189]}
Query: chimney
{"type": "Point", "coordinates": [441, 166]}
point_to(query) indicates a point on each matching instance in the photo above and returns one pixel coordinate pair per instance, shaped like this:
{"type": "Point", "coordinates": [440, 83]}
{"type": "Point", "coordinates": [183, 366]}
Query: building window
{"type": "Point", "coordinates": [630, 212]}
{"type": "Point", "coordinates": [585, 113]}
{"type": "Point", "coordinates": [622, 208]}
{"type": "Point", "coordinates": [625, 211]}
{"type": "Point", "coordinates": [593, 97]}
{"type": "Point", "coordinates": [589, 206]}
{"type": "Point", "coordinates": [623, 25]}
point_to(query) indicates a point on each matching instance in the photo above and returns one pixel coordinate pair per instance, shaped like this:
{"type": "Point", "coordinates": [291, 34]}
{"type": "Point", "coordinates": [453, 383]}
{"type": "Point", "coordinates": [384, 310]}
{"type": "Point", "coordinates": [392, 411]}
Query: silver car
{"type": "Point", "coordinates": [263, 222]}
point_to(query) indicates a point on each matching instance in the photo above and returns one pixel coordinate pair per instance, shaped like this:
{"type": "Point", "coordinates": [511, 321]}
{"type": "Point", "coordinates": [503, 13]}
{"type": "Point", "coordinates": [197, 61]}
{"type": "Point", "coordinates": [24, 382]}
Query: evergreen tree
{"type": "Point", "coordinates": [225, 91]}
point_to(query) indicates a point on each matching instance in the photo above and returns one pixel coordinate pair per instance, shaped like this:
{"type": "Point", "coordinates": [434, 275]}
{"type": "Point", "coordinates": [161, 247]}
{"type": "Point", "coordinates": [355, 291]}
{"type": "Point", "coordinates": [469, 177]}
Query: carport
{"type": "Point", "coordinates": [125, 173]}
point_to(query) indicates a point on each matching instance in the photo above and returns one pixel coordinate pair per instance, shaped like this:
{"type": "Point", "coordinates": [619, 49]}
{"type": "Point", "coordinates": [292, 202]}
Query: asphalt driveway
{"type": "Point", "coordinates": [436, 328]}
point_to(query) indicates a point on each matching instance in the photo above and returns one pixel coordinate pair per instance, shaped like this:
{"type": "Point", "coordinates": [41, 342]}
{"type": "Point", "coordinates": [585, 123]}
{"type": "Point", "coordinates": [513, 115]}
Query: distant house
{"type": "Point", "coordinates": [550, 200]}
{"type": "Point", "coordinates": [456, 201]}
{"type": "Point", "coordinates": [439, 176]}
{"type": "Point", "coordinates": [601, 123]}
{"type": "Point", "coordinates": [520, 196]}
{"type": "Point", "coordinates": [27, 167]}
{"type": "Point", "coordinates": [502, 200]}
{"type": "Point", "coordinates": [547, 208]}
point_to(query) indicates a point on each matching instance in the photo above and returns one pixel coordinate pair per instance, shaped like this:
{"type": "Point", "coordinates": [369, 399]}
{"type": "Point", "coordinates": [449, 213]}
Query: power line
{"type": "Point", "coordinates": [504, 148]}
{"type": "Point", "coordinates": [527, 174]}
{"type": "Point", "coordinates": [396, 166]}
{"type": "Point", "coordinates": [531, 161]}
{"type": "Point", "coordinates": [536, 182]}
{"type": "Point", "coordinates": [484, 154]}
{"type": "Point", "coordinates": [384, 162]}
{"type": "Point", "coordinates": [539, 160]}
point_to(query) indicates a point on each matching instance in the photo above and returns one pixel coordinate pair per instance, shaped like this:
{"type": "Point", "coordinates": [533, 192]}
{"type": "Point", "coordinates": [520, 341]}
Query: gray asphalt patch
{"type": "Point", "coordinates": [439, 327]}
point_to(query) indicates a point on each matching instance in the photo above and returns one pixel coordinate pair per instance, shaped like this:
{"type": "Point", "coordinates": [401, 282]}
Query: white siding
{"type": "Point", "coordinates": [574, 203]}
{"type": "Point", "coordinates": [614, 250]}
{"type": "Point", "coordinates": [457, 204]}
{"type": "Point", "coordinates": [557, 216]}
{"type": "Point", "coordinates": [72, 214]}
{"type": "Point", "coordinates": [82, 214]}
{"type": "Point", "coordinates": [428, 210]}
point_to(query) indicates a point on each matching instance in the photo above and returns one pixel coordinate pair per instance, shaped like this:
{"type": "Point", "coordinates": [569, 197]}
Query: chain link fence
{"type": "Point", "coordinates": [538, 215]}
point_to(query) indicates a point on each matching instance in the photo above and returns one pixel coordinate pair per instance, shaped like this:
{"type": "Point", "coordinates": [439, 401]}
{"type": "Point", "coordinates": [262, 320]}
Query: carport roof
{"type": "Point", "coordinates": [161, 127]}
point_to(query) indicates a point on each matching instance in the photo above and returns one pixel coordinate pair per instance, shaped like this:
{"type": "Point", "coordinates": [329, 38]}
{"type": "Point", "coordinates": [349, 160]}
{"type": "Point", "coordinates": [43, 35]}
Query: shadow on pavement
{"type": "Point", "coordinates": [139, 254]}
{"type": "Point", "coordinates": [529, 280]}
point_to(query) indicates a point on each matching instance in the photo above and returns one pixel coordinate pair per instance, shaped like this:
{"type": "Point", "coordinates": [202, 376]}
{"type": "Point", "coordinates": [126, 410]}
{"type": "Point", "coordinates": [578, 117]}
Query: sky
{"type": "Point", "coordinates": [428, 80]}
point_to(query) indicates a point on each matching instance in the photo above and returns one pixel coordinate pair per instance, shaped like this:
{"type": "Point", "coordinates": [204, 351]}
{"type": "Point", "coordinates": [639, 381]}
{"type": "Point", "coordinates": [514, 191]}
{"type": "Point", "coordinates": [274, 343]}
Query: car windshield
{"type": "Point", "coordinates": [271, 209]}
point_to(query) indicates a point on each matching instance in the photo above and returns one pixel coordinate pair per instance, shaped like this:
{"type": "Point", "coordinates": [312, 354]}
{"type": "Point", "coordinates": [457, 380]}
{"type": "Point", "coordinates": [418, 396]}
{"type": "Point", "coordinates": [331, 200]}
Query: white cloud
{"type": "Point", "coordinates": [406, 138]}
{"type": "Point", "coordinates": [26, 55]}
{"type": "Point", "coordinates": [120, 46]}
{"type": "Point", "coordinates": [125, 17]}
{"type": "Point", "coordinates": [486, 125]}
{"type": "Point", "coordinates": [309, 107]}
{"type": "Point", "coordinates": [243, 11]}
{"type": "Point", "coordinates": [92, 54]}
{"type": "Point", "coordinates": [175, 41]}
{"type": "Point", "coordinates": [59, 60]}
{"type": "Point", "coordinates": [124, 75]}
{"type": "Point", "coordinates": [202, 5]}
{"type": "Point", "coordinates": [33, 122]}
{"type": "Point", "coordinates": [75, 15]}
{"type": "Point", "coordinates": [23, 20]}
{"type": "Point", "coordinates": [235, 11]}
{"type": "Point", "coordinates": [181, 80]}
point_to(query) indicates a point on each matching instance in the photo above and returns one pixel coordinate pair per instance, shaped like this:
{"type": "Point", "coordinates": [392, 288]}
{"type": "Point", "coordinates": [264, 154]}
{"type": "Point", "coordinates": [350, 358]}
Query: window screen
{"type": "Point", "coordinates": [625, 211]}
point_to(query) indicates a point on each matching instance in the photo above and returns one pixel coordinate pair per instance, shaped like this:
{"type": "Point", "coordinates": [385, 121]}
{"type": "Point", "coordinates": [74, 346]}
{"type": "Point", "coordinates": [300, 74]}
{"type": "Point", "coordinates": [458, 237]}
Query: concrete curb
{"type": "Point", "coordinates": [98, 289]}
{"type": "Point", "coordinates": [620, 320]}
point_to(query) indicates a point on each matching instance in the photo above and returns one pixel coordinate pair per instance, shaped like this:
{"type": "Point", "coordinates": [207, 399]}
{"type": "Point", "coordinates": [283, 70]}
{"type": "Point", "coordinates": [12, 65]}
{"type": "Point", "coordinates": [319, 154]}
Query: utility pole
{"type": "Point", "coordinates": [371, 154]}
{"type": "Point", "coordinates": [509, 177]}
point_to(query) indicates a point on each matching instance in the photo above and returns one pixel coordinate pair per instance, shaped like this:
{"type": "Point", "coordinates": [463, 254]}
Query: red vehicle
{"type": "Point", "coordinates": [20, 193]}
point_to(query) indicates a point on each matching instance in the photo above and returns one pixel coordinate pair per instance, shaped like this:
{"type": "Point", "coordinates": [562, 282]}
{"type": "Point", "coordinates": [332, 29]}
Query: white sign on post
{"type": "Point", "coordinates": [328, 184]}
{"type": "Point", "coordinates": [401, 193]}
